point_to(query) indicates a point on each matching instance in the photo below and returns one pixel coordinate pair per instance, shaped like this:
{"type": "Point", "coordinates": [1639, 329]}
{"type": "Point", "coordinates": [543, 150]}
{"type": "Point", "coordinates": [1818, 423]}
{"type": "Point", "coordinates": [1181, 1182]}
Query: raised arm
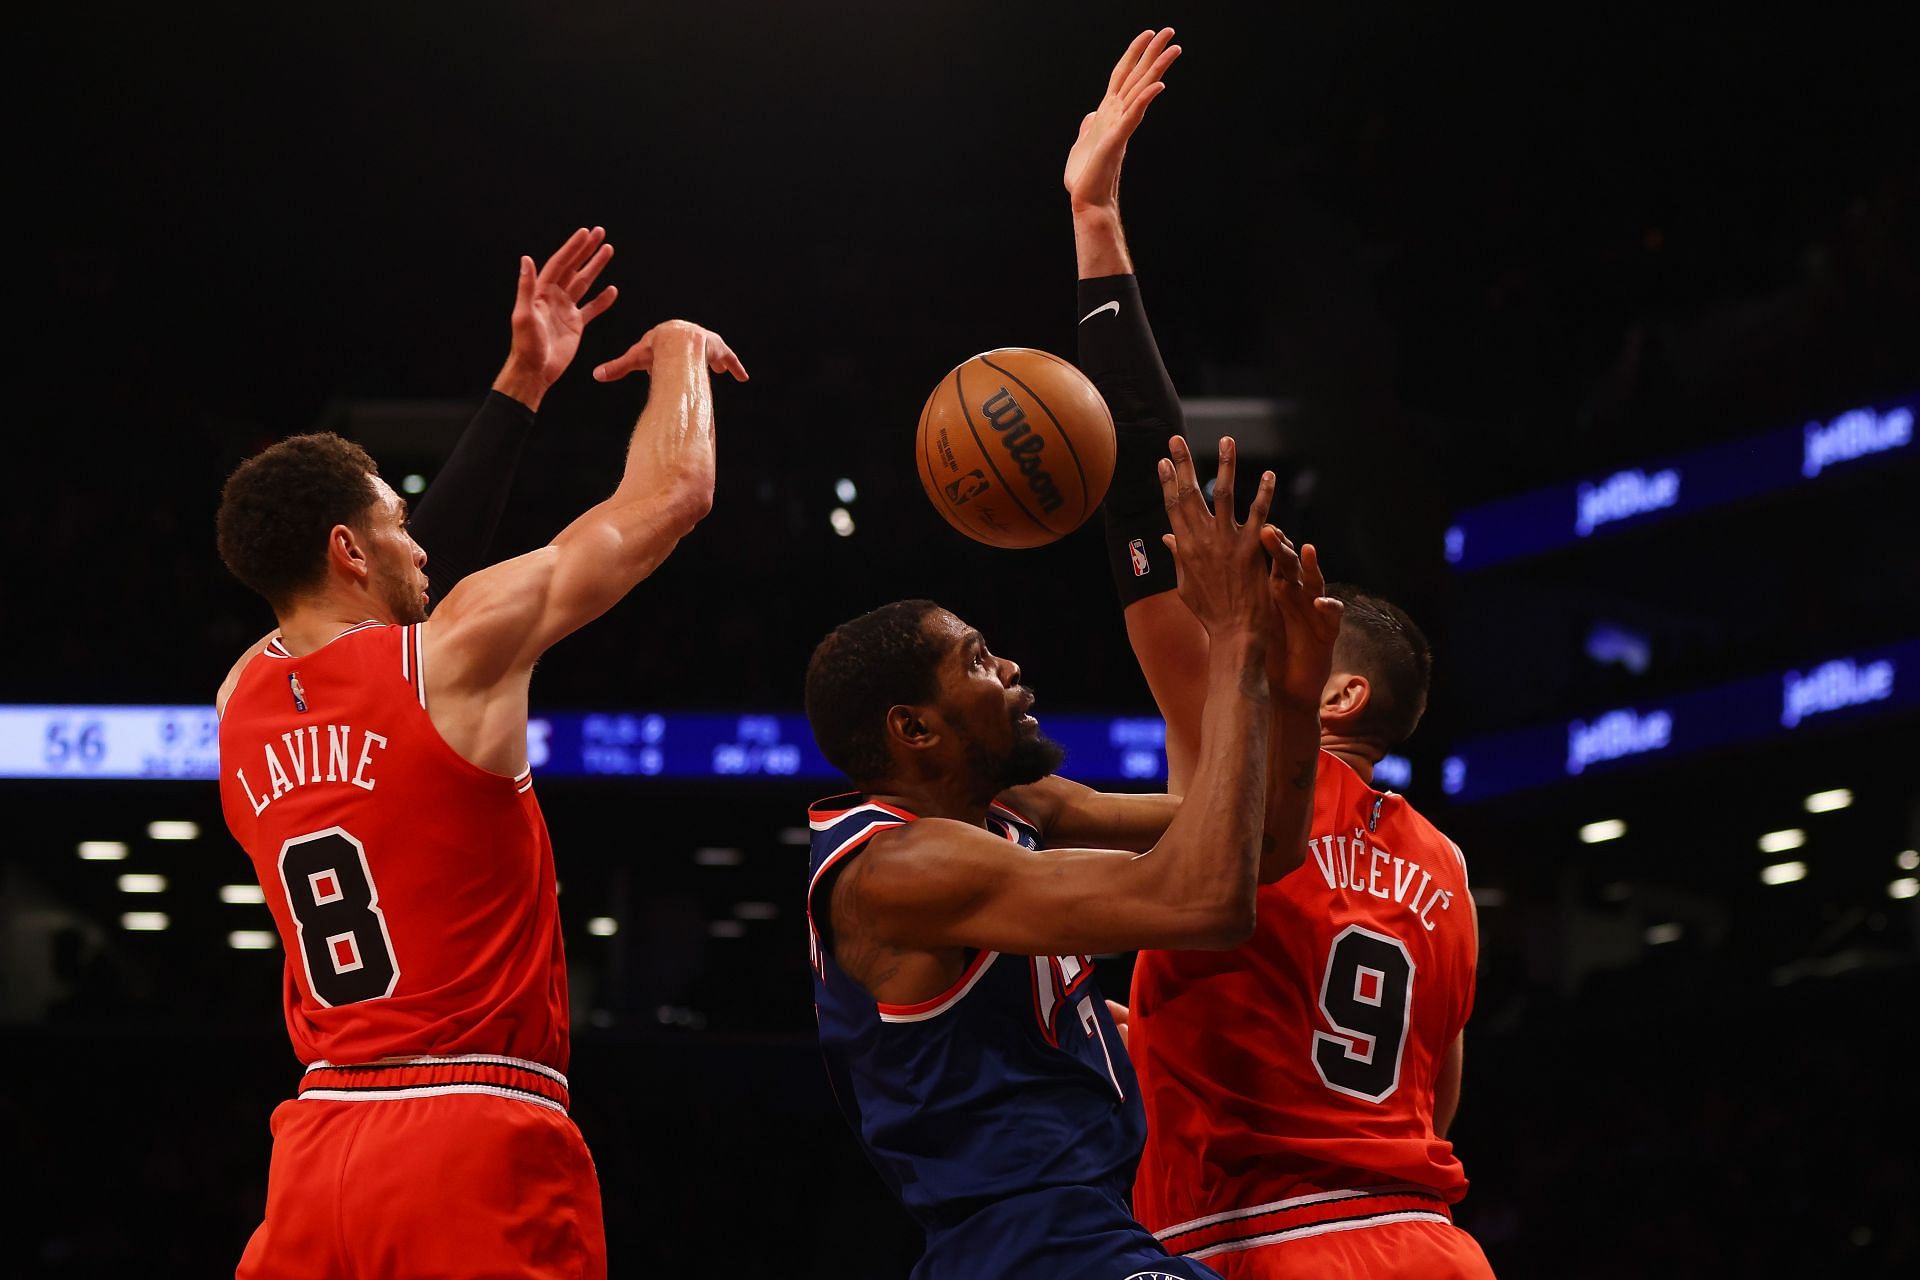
{"type": "Point", "coordinates": [1117, 350]}
{"type": "Point", "coordinates": [456, 519]}
{"type": "Point", "coordinates": [937, 883]}
{"type": "Point", "coordinates": [482, 643]}
{"type": "Point", "coordinates": [1298, 664]}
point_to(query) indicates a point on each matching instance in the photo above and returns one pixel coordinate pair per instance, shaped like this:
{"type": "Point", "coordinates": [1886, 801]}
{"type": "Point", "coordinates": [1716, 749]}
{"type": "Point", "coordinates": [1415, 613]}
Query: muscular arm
{"type": "Point", "coordinates": [936, 883]}
{"type": "Point", "coordinates": [482, 643]}
{"type": "Point", "coordinates": [1073, 815]}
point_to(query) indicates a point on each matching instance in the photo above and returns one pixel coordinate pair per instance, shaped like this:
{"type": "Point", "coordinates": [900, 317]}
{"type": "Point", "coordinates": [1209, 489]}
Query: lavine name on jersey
{"type": "Point", "coordinates": [1348, 862]}
{"type": "Point", "coordinates": [301, 758]}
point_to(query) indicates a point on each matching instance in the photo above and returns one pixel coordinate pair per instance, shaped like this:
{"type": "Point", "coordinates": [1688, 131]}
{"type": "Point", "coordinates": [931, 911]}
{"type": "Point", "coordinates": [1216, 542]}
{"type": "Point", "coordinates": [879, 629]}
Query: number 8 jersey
{"type": "Point", "coordinates": [1289, 1083]}
{"type": "Point", "coordinates": [413, 891]}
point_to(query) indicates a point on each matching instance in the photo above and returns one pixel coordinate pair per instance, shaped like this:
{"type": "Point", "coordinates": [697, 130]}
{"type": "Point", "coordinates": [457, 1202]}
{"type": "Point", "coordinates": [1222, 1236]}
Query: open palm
{"type": "Point", "coordinates": [548, 318]}
{"type": "Point", "coordinates": [1092, 176]}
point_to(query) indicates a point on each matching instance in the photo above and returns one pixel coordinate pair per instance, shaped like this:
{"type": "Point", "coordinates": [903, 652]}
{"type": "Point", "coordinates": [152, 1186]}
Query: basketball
{"type": "Point", "coordinates": [1015, 448]}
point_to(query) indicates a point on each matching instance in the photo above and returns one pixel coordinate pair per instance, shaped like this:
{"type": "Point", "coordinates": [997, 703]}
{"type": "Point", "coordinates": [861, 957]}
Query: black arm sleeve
{"type": "Point", "coordinates": [461, 511]}
{"type": "Point", "coordinates": [1118, 352]}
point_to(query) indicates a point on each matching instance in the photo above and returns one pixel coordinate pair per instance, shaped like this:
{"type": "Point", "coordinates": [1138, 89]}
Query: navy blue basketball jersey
{"type": "Point", "coordinates": [1013, 1080]}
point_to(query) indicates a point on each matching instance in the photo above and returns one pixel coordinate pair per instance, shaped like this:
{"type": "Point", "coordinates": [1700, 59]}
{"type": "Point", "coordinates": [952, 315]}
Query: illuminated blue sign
{"type": "Point", "coordinates": [1835, 685]}
{"type": "Point", "coordinates": [1616, 735]}
{"type": "Point", "coordinates": [1839, 689]}
{"type": "Point", "coordinates": [1545, 520]}
{"type": "Point", "coordinates": [1623, 494]}
{"type": "Point", "coordinates": [1854, 435]}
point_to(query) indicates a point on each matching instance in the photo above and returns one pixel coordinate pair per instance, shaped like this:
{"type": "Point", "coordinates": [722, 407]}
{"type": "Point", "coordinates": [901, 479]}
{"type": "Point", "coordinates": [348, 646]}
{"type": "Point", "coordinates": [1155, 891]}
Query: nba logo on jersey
{"type": "Point", "coordinates": [1137, 550]}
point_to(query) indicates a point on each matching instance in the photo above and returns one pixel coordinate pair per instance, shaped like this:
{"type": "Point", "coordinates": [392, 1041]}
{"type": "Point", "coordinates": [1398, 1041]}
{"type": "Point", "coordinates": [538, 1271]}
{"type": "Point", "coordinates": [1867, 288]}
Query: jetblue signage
{"type": "Point", "coordinates": [1551, 519]}
{"type": "Point", "coordinates": [1830, 692]}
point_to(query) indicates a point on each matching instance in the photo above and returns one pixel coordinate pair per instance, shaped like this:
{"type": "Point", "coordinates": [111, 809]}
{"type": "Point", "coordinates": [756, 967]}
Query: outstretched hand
{"type": "Point", "coordinates": [638, 358]}
{"type": "Point", "coordinates": [1219, 562]}
{"type": "Point", "coordinates": [1300, 661]}
{"type": "Point", "coordinates": [1092, 176]}
{"type": "Point", "coordinates": [549, 317]}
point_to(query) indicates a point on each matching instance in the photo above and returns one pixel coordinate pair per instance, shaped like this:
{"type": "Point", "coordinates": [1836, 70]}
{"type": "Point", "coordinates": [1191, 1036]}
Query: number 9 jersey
{"type": "Point", "coordinates": [1289, 1083]}
{"type": "Point", "coordinates": [413, 891]}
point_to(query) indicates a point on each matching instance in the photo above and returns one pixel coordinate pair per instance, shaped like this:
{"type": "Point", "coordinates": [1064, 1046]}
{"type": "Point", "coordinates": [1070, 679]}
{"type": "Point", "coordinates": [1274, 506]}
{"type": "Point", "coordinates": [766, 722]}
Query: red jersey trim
{"type": "Point", "coordinates": [1321, 1229]}
{"type": "Point", "coordinates": [821, 819]}
{"type": "Point", "coordinates": [1017, 816]}
{"type": "Point", "coordinates": [937, 1005]}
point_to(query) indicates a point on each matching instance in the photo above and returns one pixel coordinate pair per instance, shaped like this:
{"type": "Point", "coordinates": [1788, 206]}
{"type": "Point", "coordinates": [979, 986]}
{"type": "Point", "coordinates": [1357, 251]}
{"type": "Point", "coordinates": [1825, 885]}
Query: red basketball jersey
{"type": "Point", "coordinates": [414, 891]}
{"type": "Point", "coordinates": [1301, 1064]}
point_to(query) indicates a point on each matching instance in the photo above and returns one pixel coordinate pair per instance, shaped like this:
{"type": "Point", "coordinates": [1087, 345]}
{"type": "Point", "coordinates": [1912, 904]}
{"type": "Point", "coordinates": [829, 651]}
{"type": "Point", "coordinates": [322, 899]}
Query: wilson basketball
{"type": "Point", "coordinates": [1015, 448]}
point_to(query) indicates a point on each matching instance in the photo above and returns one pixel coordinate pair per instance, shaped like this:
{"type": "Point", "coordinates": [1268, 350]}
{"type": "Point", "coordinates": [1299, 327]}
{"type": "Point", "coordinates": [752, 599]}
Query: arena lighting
{"type": "Point", "coordinates": [242, 894]}
{"type": "Point", "coordinates": [755, 911]}
{"type": "Point", "coordinates": [1828, 801]}
{"type": "Point", "coordinates": [603, 926]}
{"type": "Point", "coordinates": [1486, 897]}
{"type": "Point", "coordinates": [726, 929]}
{"type": "Point", "coordinates": [719, 857]}
{"type": "Point", "coordinates": [1907, 860]}
{"type": "Point", "coordinates": [1783, 873]}
{"type": "Point", "coordinates": [144, 921]}
{"type": "Point", "coordinates": [844, 490]}
{"type": "Point", "coordinates": [135, 882]}
{"type": "Point", "coordinates": [1601, 832]}
{"type": "Point", "coordinates": [414, 482]}
{"type": "Point", "coordinates": [252, 940]}
{"type": "Point", "coordinates": [795, 835]}
{"type": "Point", "coordinates": [1905, 887]}
{"type": "Point", "coordinates": [1781, 841]}
{"type": "Point", "coordinates": [842, 521]}
{"type": "Point", "coordinates": [173, 831]}
{"type": "Point", "coordinates": [1662, 933]}
{"type": "Point", "coordinates": [103, 851]}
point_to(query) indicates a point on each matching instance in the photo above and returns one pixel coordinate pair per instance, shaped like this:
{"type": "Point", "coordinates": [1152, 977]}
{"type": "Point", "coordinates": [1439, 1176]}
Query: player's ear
{"type": "Point", "coordinates": [909, 725]}
{"type": "Point", "coordinates": [346, 551]}
{"type": "Point", "coordinates": [1344, 698]}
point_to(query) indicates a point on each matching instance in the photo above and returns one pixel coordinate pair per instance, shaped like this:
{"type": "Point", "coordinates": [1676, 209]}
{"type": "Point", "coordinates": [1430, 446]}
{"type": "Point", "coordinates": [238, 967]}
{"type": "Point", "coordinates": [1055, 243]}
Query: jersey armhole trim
{"type": "Point", "coordinates": [934, 1006]}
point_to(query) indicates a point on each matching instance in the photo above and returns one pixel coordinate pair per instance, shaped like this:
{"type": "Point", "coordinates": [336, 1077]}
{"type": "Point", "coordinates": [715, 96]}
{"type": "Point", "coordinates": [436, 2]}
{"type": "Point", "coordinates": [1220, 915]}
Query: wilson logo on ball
{"type": "Point", "coordinates": [1009, 419]}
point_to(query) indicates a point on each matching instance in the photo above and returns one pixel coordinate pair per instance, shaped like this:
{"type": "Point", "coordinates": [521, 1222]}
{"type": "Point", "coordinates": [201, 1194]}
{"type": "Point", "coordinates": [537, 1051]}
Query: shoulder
{"type": "Point", "coordinates": [232, 680]}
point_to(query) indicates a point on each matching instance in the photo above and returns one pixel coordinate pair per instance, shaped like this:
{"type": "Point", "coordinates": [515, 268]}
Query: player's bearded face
{"type": "Point", "coordinates": [1026, 755]}
{"type": "Point", "coordinates": [400, 582]}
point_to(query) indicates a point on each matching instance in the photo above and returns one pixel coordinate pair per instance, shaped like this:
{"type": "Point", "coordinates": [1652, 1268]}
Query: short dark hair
{"type": "Point", "coordinates": [878, 660]}
{"type": "Point", "coordinates": [1379, 641]}
{"type": "Point", "coordinates": [278, 506]}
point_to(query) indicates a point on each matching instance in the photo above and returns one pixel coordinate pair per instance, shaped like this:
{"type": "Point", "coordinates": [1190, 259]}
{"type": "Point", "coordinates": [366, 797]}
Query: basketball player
{"type": "Point", "coordinates": [373, 766]}
{"type": "Point", "coordinates": [957, 896]}
{"type": "Point", "coordinates": [1298, 1089]}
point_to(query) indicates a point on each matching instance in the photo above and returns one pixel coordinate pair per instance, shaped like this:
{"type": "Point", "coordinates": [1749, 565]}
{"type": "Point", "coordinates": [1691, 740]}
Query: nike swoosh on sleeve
{"type": "Point", "coordinates": [1105, 306]}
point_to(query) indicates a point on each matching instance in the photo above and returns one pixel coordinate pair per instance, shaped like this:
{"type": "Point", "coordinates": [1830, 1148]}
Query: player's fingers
{"type": "Point", "coordinates": [1286, 564]}
{"type": "Point", "coordinates": [636, 358]}
{"type": "Point", "coordinates": [1311, 575]}
{"type": "Point", "coordinates": [1223, 480]}
{"type": "Point", "coordinates": [1137, 107]}
{"type": "Point", "coordinates": [589, 272]}
{"type": "Point", "coordinates": [721, 359]}
{"type": "Point", "coordinates": [1127, 61]}
{"type": "Point", "coordinates": [598, 307]}
{"type": "Point", "coordinates": [1185, 501]}
{"type": "Point", "coordinates": [1153, 79]}
{"type": "Point", "coordinates": [560, 264]}
{"type": "Point", "coordinates": [1143, 65]}
{"type": "Point", "coordinates": [1262, 500]}
{"type": "Point", "coordinates": [523, 288]}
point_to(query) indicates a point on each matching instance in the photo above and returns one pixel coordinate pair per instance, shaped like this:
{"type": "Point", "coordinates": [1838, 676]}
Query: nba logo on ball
{"type": "Point", "coordinates": [1015, 448]}
{"type": "Point", "coordinates": [966, 487]}
{"type": "Point", "coordinates": [1137, 549]}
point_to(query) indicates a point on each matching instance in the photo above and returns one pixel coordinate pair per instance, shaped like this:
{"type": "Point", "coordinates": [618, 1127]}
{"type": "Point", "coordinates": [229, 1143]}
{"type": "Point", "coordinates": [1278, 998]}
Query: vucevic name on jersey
{"type": "Point", "coordinates": [1011, 1080]}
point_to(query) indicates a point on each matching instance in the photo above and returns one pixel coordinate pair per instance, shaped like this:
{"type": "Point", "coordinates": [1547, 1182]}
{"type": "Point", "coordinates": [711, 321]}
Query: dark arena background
{"type": "Point", "coordinates": [1590, 337]}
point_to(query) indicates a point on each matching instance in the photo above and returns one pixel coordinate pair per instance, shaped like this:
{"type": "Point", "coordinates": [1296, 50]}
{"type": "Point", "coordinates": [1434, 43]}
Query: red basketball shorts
{"type": "Point", "coordinates": [426, 1180]}
{"type": "Point", "coordinates": [1422, 1250]}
